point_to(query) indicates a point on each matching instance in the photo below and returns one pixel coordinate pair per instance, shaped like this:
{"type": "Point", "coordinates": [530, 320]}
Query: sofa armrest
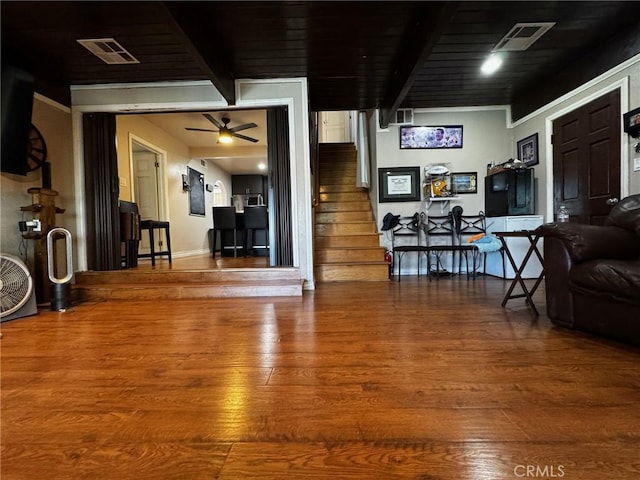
{"type": "Point", "coordinates": [557, 267]}
{"type": "Point", "coordinates": [588, 242]}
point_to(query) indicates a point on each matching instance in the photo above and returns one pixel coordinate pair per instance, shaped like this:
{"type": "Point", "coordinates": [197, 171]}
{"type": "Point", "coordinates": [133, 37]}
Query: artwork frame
{"type": "Point", "coordinates": [399, 184]}
{"type": "Point", "coordinates": [196, 193]}
{"type": "Point", "coordinates": [631, 122]}
{"type": "Point", "coordinates": [527, 149]}
{"type": "Point", "coordinates": [431, 137]}
{"type": "Point", "coordinates": [464, 182]}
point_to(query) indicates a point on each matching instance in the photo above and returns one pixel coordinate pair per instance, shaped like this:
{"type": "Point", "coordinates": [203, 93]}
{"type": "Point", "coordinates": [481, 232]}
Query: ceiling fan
{"type": "Point", "coordinates": [226, 134]}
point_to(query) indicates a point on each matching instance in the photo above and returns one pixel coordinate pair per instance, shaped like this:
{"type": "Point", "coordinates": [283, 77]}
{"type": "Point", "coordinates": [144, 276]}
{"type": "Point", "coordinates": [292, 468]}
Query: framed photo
{"type": "Point", "coordinates": [632, 122]}
{"type": "Point", "coordinates": [196, 193]}
{"type": "Point", "coordinates": [446, 136]}
{"type": "Point", "coordinates": [528, 150]}
{"type": "Point", "coordinates": [400, 184]}
{"type": "Point", "coordinates": [464, 182]}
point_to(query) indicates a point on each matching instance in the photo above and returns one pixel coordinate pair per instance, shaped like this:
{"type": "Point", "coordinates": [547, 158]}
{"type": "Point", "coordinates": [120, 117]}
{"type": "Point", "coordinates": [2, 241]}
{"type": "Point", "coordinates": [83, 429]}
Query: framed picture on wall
{"type": "Point", "coordinates": [448, 136]}
{"type": "Point", "coordinates": [196, 193]}
{"type": "Point", "coordinates": [528, 150]}
{"type": "Point", "coordinates": [401, 184]}
{"type": "Point", "coordinates": [464, 182]}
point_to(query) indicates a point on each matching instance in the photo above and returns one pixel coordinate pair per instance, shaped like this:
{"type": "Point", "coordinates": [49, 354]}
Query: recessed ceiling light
{"type": "Point", "coordinates": [262, 166]}
{"type": "Point", "coordinates": [491, 64]}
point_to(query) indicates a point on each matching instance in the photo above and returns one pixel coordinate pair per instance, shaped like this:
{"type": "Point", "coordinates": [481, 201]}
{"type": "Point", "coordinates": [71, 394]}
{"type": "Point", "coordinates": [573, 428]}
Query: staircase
{"type": "Point", "coordinates": [347, 242]}
{"type": "Point", "coordinates": [180, 284]}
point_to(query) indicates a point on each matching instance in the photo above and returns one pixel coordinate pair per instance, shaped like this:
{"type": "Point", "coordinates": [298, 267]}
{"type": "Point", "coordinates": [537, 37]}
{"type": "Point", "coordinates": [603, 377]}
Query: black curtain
{"type": "Point", "coordinates": [101, 188]}
{"type": "Point", "coordinates": [280, 178]}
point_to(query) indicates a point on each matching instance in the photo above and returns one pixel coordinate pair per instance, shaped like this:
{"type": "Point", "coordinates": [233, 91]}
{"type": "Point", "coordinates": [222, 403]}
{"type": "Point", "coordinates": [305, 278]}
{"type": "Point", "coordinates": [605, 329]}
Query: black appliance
{"type": "Point", "coordinates": [510, 192]}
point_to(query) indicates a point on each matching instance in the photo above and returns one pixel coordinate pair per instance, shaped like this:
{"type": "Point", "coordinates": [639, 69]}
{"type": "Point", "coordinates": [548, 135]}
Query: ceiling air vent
{"type": "Point", "coordinates": [403, 116]}
{"type": "Point", "coordinates": [522, 36]}
{"type": "Point", "coordinates": [108, 50]}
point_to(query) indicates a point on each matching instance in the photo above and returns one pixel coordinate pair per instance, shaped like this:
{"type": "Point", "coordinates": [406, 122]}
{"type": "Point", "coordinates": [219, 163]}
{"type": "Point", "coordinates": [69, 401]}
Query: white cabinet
{"type": "Point", "coordinates": [517, 246]}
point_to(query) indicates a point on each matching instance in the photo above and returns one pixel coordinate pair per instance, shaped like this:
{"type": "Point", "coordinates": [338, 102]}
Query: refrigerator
{"type": "Point", "coordinates": [517, 246]}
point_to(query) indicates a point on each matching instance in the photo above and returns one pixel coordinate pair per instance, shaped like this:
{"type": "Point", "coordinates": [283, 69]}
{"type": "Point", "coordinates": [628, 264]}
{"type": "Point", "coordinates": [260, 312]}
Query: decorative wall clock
{"type": "Point", "coordinates": [37, 153]}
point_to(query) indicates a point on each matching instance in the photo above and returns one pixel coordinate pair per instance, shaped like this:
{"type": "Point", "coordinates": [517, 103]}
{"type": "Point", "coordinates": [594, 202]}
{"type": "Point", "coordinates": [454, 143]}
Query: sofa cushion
{"type": "Point", "coordinates": [626, 214]}
{"type": "Point", "coordinates": [619, 279]}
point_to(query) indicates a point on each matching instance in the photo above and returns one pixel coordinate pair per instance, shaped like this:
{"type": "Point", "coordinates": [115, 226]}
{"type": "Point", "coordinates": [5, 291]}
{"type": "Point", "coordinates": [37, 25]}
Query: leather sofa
{"type": "Point", "coordinates": [592, 273]}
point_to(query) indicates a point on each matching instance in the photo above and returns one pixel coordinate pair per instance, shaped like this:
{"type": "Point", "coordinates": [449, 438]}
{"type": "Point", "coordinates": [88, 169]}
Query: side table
{"type": "Point", "coordinates": [533, 238]}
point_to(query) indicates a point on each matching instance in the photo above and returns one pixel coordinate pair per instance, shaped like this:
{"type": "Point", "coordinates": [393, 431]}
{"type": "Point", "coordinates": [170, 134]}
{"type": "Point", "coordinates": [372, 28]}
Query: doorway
{"type": "Point", "coordinates": [335, 127]}
{"type": "Point", "coordinates": [586, 159]}
{"type": "Point", "coordinates": [148, 180]}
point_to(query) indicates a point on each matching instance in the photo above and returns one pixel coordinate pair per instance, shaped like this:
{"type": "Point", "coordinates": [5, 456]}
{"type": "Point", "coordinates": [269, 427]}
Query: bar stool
{"type": "Point", "coordinates": [129, 233]}
{"type": "Point", "coordinates": [256, 218]}
{"type": "Point", "coordinates": [226, 220]}
{"type": "Point", "coordinates": [150, 226]}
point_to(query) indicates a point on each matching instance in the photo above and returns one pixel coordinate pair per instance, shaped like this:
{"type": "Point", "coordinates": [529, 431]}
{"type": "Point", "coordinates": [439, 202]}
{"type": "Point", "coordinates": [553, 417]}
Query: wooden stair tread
{"type": "Point", "coordinates": [347, 237]}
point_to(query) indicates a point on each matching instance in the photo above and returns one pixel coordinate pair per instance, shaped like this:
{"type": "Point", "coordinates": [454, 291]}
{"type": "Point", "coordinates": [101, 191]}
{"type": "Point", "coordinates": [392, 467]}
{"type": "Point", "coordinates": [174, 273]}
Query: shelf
{"type": "Point", "coordinates": [442, 201]}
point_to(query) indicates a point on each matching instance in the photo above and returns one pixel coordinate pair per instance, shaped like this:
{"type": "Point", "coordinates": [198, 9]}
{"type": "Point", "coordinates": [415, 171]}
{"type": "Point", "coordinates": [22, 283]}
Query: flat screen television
{"type": "Point", "coordinates": [17, 104]}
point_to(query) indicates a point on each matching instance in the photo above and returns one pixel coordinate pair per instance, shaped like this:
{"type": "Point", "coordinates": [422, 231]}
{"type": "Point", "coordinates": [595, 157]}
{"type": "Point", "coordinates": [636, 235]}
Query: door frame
{"type": "Point", "coordinates": [162, 181]}
{"type": "Point", "coordinates": [623, 86]}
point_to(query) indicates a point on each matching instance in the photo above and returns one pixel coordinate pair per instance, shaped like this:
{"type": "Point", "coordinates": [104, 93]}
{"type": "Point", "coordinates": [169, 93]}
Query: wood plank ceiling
{"type": "Point", "coordinates": [356, 55]}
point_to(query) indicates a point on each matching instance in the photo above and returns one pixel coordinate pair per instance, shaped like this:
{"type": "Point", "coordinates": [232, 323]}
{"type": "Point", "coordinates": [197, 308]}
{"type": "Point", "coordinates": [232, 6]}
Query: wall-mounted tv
{"type": "Point", "coordinates": [17, 104]}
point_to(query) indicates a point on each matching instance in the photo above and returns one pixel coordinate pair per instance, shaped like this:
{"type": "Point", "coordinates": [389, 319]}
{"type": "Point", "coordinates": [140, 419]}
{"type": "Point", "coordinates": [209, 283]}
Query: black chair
{"type": "Point", "coordinates": [439, 227]}
{"type": "Point", "coordinates": [129, 233]}
{"type": "Point", "coordinates": [458, 229]}
{"type": "Point", "coordinates": [256, 218]}
{"type": "Point", "coordinates": [225, 221]}
{"type": "Point", "coordinates": [408, 228]}
{"type": "Point", "coordinates": [150, 226]}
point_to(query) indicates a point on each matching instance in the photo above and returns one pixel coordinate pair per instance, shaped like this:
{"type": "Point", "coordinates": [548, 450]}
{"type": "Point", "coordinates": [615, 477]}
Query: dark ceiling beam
{"type": "Point", "coordinates": [187, 23]}
{"type": "Point", "coordinates": [595, 62]}
{"type": "Point", "coordinates": [431, 19]}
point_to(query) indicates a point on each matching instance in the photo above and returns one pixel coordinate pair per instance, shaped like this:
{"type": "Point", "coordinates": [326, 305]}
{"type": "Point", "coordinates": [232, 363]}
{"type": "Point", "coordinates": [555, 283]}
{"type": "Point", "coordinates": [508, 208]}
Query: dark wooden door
{"type": "Point", "coordinates": [586, 159]}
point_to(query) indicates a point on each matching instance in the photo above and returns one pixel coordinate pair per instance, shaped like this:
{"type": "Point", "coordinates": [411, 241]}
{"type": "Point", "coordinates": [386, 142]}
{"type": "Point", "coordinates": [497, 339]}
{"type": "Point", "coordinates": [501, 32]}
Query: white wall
{"type": "Point", "coordinates": [54, 123]}
{"type": "Point", "coordinates": [486, 139]}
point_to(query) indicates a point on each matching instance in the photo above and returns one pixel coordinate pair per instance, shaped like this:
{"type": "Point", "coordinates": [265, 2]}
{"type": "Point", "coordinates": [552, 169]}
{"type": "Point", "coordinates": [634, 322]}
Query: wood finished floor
{"type": "Point", "coordinates": [204, 262]}
{"type": "Point", "coordinates": [414, 380]}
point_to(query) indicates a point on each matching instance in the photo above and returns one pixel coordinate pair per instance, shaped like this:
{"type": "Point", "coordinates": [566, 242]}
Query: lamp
{"type": "Point", "coordinates": [491, 64]}
{"type": "Point", "coordinates": [225, 136]}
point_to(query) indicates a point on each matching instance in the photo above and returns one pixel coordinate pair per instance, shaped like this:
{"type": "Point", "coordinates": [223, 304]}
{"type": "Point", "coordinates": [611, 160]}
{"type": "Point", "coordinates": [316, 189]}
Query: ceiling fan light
{"type": "Point", "coordinates": [225, 137]}
{"type": "Point", "coordinates": [491, 64]}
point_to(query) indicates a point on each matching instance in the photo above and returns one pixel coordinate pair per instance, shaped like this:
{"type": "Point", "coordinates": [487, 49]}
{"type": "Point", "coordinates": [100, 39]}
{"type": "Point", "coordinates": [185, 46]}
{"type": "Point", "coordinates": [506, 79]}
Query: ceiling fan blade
{"type": "Point", "coordinates": [243, 127]}
{"type": "Point", "coordinates": [244, 137]}
{"type": "Point", "coordinates": [199, 129]}
{"type": "Point", "coordinates": [212, 120]}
